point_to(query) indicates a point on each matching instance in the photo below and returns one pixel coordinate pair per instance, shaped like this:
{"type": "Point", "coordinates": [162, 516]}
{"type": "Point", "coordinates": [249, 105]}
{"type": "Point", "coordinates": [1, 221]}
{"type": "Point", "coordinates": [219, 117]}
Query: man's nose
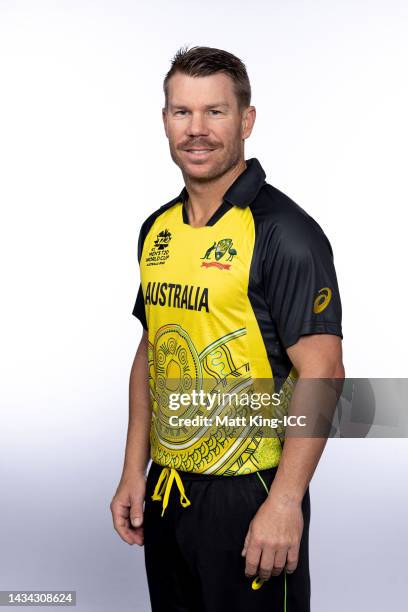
{"type": "Point", "coordinates": [197, 125]}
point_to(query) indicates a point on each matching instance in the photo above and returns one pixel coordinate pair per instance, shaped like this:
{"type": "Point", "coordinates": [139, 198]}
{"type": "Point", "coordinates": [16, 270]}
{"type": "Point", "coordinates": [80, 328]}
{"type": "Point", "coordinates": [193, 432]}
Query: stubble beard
{"type": "Point", "coordinates": [228, 161]}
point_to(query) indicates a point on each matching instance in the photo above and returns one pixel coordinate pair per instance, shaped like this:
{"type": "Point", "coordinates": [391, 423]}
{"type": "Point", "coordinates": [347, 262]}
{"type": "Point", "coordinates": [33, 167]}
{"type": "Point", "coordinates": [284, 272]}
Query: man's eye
{"type": "Point", "coordinates": [215, 111]}
{"type": "Point", "coordinates": [180, 111]}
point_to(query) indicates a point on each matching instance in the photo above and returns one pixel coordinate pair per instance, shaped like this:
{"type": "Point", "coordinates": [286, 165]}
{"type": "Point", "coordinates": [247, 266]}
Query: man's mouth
{"type": "Point", "coordinates": [199, 152]}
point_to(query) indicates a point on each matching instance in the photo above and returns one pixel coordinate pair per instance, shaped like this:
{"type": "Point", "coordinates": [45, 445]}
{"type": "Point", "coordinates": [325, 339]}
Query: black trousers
{"type": "Point", "coordinates": [193, 554]}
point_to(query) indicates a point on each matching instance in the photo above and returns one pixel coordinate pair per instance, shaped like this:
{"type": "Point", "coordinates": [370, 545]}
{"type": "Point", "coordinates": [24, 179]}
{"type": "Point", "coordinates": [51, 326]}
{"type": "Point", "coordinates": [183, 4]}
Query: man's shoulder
{"type": "Point", "coordinates": [149, 221]}
{"type": "Point", "coordinates": [153, 216]}
{"type": "Point", "coordinates": [281, 218]}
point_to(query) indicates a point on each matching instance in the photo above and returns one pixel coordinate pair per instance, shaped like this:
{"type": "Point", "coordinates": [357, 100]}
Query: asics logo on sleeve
{"type": "Point", "coordinates": [322, 300]}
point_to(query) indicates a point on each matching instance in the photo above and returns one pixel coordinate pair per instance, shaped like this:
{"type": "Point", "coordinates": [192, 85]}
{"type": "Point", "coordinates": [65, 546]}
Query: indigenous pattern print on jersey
{"type": "Point", "coordinates": [221, 303]}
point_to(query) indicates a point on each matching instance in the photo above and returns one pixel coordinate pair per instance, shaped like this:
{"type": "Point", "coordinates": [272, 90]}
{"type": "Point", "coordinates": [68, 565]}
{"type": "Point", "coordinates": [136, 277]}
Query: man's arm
{"type": "Point", "coordinates": [127, 503]}
{"type": "Point", "coordinates": [137, 445]}
{"type": "Point", "coordinates": [314, 357]}
{"type": "Point", "coordinates": [274, 535]}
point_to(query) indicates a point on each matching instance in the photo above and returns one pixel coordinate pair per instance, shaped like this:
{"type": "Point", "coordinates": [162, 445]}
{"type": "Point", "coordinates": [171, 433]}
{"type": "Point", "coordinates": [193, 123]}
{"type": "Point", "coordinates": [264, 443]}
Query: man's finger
{"type": "Point", "coordinates": [279, 562]}
{"type": "Point", "coordinates": [266, 563]}
{"type": "Point", "coordinates": [252, 559]}
{"type": "Point", "coordinates": [292, 559]}
{"type": "Point", "coordinates": [137, 535]}
{"type": "Point", "coordinates": [244, 550]}
{"type": "Point", "coordinates": [136, 513]}
{"type": "Point", "coordinates": [127, 534]}
{"type": "Point", "coordinates": [121, 522]}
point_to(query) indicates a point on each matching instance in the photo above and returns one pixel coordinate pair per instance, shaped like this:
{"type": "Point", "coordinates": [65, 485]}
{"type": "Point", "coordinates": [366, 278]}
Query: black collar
{"type": "Point", "coordinates": [243, 190]}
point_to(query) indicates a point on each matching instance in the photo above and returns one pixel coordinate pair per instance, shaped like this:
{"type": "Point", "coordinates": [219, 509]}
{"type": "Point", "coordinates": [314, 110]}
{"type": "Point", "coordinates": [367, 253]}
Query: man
{"type": "Point", "coordinates": [237, 285]}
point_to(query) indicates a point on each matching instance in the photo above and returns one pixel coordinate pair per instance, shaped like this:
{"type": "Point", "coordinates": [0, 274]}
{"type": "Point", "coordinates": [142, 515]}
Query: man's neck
{"type": "Point", "coordinates": [204, 199]}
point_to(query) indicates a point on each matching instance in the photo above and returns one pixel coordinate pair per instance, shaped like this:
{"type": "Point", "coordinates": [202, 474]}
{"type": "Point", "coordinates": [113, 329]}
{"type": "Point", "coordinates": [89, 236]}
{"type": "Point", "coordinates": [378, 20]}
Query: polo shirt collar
{"type": "Point", "coordinates": [243, 190]}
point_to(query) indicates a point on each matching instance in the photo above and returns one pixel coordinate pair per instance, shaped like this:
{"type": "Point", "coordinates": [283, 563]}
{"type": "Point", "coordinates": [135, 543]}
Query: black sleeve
{"type": "Point", "coordinates": [301, 284]}
{"type": "Point", "coordinates": [139, 306]}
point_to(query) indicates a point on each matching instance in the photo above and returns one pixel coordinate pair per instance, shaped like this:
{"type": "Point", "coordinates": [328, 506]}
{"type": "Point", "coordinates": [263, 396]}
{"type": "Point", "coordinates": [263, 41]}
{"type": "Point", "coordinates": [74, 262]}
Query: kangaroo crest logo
{"type": "Point", "coordinates": [219, 250]}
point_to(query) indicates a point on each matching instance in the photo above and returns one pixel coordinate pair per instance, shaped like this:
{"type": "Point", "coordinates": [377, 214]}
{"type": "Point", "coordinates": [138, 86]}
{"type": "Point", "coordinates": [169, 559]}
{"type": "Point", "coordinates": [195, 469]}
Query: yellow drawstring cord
{"type": "Point", "coordinates": [166, 478]}
{"type": "Point", "coordinates": [257, 583]}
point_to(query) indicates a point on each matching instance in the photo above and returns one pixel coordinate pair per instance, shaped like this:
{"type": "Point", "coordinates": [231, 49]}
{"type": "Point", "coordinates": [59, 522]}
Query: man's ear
{"type": "Point", "coordinates": [164, 116]}
{"type": "Point", "coordinates": [248, 121]}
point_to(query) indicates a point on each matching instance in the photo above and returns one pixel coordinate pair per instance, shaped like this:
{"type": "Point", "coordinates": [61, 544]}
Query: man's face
{"type": "Point", "coordinates": [204, 126]}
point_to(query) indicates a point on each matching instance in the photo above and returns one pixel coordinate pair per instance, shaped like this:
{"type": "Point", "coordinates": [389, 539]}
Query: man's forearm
{"type": "Point", "coordinates": [298, 462]}
{"type": "Point", "coordinates": [137, 444]}
{"type": "Point", "coordinates": [300, 455]}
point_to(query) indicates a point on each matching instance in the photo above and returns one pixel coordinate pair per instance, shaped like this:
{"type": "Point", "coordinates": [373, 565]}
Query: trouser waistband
{"type": "Point", "coordinates": [157, 468]}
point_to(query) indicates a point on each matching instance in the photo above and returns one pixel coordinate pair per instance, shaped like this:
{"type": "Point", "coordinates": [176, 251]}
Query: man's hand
{"type": "Point", "coordinates": [127, 509]}
{"type": "Point", "coordinates": [273, 539]}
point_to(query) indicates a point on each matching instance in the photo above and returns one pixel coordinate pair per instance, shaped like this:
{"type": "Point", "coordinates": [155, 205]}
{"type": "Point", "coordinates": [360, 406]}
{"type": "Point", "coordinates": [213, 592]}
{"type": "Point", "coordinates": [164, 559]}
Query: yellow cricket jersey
{"type": "Point", "coordinates": [221, 303]}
